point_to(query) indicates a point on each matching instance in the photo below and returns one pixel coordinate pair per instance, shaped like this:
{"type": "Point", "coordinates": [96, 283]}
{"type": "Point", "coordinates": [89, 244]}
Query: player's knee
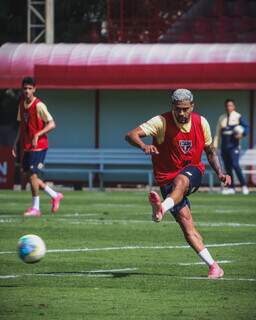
{"type": "Point", "coordinates": [181, 182]}
{"type": "Point", "coordinates": [32, 176]}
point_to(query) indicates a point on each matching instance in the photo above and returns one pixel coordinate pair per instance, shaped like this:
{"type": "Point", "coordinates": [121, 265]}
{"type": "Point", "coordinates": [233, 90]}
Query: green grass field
{"type": "Point", "coordinates": [120, 265]}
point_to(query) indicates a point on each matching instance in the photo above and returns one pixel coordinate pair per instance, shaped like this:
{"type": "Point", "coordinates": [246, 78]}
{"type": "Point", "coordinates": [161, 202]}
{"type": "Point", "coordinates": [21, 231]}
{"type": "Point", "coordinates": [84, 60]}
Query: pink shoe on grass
{"type": "Point", "coordinates": [32, 212]}
{"type": "Point", "coordinates": [215, 271]}
{"type": "Point", "coordinates": [56, 202]}
{"type": "Point", "coordinates": [157, 210]}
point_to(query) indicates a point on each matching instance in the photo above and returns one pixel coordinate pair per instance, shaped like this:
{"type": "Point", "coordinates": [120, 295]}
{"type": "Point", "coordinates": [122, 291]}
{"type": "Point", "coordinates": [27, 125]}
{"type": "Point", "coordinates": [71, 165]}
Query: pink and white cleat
{"type": "Point", "coordinates": [157, 210]}
{"type": "Point", "coordinates": [32, 212]}
{"type": "Point", "coordinates": [56, 202]}
{"type": "Point", "coordinates": [215, 271]}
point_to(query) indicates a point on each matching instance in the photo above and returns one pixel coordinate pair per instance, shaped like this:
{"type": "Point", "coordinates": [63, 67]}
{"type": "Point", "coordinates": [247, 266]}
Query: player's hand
{"type": "Point", "coordinates": [239, 136]}
{"type": "Point", "coordinates": [14, 151]}
{"type": "Point", "coordinates": [150, 149]}
{"type": "Point", "coordinates": [34, 141]}
{"type": "Point", "coordinates": [225, 178]}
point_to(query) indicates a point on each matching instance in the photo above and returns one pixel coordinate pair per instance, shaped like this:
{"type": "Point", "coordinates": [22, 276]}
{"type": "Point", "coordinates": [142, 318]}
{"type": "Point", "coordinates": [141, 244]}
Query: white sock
{"type": "Point", "coordinates": [36, 202]}
{"type": "Point", "coordinates": [50, 192]}
{"type": "Point", "coordinates": [168, 204]}
{"type": "Point", "coordinates": [206, 257]}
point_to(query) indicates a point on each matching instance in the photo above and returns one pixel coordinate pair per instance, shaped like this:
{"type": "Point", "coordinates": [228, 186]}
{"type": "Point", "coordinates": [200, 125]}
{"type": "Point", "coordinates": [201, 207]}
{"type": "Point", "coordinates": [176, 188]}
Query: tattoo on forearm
{"type": "Point", "coordinates": [213, 158]}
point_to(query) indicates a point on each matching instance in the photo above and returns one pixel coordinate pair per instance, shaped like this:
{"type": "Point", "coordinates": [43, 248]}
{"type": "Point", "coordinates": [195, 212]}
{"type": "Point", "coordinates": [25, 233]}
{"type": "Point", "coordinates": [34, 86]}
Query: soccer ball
{"type": "Point", "coordinates": [238, 130]}
{"type": "Point", "coordinates": [31, 248]}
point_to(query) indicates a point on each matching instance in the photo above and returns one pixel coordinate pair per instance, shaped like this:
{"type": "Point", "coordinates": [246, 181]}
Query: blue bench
{"type": "Point", "coordinates": [248, 161]}
{"type": "Point", "coordinates": [80, 165]}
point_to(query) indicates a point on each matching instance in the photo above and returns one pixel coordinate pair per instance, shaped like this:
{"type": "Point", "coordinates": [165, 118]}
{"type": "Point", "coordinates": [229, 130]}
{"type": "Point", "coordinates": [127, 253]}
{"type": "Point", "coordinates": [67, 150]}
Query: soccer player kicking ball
{"type": "Point", "coordinates": [35, 122]}
{"type": "Point", "coordinates": [179, 138]}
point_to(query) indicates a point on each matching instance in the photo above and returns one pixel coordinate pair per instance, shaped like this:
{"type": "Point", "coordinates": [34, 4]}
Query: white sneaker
{"type": "Point", "coordinates": [245, 190]}
{"type": "Point", "coordinates": [228, 191]}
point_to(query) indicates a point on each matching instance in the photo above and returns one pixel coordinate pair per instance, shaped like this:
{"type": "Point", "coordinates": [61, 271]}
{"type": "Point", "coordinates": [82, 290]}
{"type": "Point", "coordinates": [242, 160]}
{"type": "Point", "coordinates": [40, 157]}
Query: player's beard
{"type": "Point", "coordinates": [182, 120]}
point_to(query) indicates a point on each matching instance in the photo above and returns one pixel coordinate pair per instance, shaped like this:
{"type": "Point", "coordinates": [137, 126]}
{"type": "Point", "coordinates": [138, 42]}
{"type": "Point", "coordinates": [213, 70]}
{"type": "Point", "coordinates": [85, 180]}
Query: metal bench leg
{"type": "Point", "coordinates": [150, 182]}
{"type": "Point", "coordinates": [101, 181]}
{"type": "Point", "coordinates": [210, 181]}
{"type": "Point", "coordinates": [90, 180]}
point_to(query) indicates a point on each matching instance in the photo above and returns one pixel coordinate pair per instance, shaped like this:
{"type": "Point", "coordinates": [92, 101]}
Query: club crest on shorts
{"type": "Point", "coordinates": [185, 145]}
{"type": "Point", "coordinates": [40, 165]}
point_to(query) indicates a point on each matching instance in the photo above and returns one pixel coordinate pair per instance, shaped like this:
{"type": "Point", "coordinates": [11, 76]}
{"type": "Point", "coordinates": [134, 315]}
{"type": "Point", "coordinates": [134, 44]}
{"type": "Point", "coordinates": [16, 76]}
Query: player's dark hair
{"type": "Point", "coordinates": [29, 80]}
{"type": "Point", "coordinates": [229, 100]}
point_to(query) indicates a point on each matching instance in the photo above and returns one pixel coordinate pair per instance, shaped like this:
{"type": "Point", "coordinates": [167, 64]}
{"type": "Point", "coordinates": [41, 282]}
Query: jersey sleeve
{"type": "Point", "coordinates": [43, 112]}
{"type": "Point", "coordinates": [244, 124]}
{"type": "Point", "coordinates": [207, 131]}
{"type": "Point", "coordinates": [155, 127]}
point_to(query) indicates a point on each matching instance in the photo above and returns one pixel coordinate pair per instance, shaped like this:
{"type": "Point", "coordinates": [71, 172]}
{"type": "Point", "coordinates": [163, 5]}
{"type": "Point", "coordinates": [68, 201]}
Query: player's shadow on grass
{"type": "Point", "coordinates": [9, 286]}
{"type": "Point", "coordinates": [90, 274]}
{"type": "Point", "coordinates": [110, 274]}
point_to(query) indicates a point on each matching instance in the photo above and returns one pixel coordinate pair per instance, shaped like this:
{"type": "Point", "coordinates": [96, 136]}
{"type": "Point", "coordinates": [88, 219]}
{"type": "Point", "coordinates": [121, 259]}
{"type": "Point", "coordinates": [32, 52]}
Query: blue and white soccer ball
{"type": "Point", "coordinates": [31, 248]}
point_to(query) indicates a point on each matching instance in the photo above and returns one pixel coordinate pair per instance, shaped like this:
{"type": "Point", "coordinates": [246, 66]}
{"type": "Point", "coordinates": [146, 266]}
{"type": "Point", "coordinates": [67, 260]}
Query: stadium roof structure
{"type": "Point", "coordinates": [130, 66]}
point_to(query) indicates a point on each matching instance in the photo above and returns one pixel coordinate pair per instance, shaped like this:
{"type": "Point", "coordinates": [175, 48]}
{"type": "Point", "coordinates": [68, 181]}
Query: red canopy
{"type": "Point", "coordinates": [130, 66]}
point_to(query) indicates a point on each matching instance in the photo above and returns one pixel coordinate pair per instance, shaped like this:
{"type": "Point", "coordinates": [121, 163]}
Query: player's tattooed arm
{"type": "Point", "coordinates": [214, 162]}
{"type": "Point", "coordinates": [213, 158]}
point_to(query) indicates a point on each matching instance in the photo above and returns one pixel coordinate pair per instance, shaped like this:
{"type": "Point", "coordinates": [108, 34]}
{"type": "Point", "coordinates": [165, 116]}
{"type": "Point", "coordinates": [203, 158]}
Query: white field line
{"type": "Point", "coordinates": [202, 224]}
{"type": "Point", "coordinates": [8, 220]}
{"type": "Point", "coordinates": [119, 221]}
{"type": "Point", "coordinates": [87, 221]}
{"type": "Point", "coordinates": [108, 221]}
{"type": "Point", "coordinates": [112, 270]}
{"type": "Point", "coordinates": [200, 263]}
{"type": "Point", "coordinates": [10, 215]}
{"type": "Point", "coordinates": [215, 245]}
{"type": "Point", "coordinates": [233, 210]}
{"type": "Point", "coordinates": [225, 224]}
{"type": "Point", "coordinates": [221, 279]}
{"type": "Point", "coordinates": [73, 215]}
{"type": "Point", "coordinates": [68, 218]}
{"type": "Point", "coordinates": [149, 247]}
{"type": "Point", "coordinates": [125, 205]}
{"type": "Point", "coordinates": [79, 215]}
